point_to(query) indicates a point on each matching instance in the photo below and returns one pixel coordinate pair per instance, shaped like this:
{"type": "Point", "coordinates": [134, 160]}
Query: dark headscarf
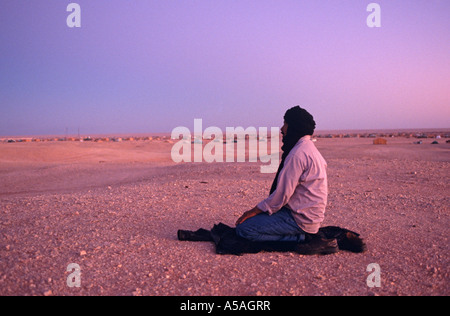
{"type": "Point", "coordinates": [300, 123]}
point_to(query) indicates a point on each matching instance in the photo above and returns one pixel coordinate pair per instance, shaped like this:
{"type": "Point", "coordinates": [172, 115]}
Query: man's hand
{"type": "Point", "coordinates": [249, 214]}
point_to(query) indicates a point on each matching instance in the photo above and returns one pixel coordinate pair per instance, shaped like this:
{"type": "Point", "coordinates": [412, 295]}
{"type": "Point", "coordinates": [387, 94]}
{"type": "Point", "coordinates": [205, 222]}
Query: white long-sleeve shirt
{"type": "Point", "coordinates": [302, 187]}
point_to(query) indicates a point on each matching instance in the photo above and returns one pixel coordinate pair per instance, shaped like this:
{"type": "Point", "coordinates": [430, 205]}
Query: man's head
{"type": "Point", "coordinates": [298, 123]}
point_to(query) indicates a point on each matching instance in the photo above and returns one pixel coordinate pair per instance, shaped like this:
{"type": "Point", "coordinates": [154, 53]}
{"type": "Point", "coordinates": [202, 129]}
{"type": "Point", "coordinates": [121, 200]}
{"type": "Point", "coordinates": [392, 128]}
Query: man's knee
{"type": "Point", "coordinates": [240, 231]}
{"type": "Point", "coordinates": [246, 232]}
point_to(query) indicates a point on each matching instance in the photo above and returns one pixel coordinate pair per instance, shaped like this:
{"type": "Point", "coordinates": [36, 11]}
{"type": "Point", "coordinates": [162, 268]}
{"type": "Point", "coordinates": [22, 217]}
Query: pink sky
{"type": "Point", "coordinates": [150, 66]}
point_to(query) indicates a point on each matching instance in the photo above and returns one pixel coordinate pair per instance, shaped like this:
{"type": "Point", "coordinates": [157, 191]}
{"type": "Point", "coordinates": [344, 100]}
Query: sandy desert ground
{"type": "Point", "coordinates": [114, 209]}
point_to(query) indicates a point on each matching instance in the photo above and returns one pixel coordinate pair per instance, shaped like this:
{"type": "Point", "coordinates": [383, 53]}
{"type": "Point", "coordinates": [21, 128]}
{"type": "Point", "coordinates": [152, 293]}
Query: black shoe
{"type": "Point", "coordinates": [199, 235]}
{"type": "Point", "coordinates": [184, 235]}
{"type": "Point", "coordinates": [318, 246]}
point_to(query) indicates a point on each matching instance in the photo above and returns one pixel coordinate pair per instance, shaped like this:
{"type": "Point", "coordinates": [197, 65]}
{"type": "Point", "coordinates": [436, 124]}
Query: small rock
{"type": "Point", "coordinates": [138, 292]}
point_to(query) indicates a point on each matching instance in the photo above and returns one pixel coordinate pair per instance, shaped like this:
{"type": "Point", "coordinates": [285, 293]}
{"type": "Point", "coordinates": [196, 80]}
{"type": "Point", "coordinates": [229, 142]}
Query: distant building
{"type": "Point", "coordinates": [380, 141]}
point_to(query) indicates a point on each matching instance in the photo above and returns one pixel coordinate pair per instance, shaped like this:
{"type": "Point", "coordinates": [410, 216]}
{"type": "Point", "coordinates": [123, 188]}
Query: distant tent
{"type": "Point", "coordinates": [380, 141]}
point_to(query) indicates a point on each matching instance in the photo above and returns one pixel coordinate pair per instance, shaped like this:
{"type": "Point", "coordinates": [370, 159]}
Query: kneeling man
{"type": "Point", "coordinates": [296, 206]}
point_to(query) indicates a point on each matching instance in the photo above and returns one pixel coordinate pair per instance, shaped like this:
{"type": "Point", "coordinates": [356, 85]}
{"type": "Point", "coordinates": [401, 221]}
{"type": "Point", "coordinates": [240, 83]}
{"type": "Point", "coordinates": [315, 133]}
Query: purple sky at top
{"type": "Point", "coordinates": [143, 66]}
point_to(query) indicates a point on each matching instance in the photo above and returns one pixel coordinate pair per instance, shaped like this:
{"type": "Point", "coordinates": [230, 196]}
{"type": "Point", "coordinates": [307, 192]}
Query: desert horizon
{"type": "Point", "coordinates": [401, 132]}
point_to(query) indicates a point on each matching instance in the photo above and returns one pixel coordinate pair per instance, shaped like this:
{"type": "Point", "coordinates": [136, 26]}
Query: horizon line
{"type": "Point", "coordinates": [317, 132]}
